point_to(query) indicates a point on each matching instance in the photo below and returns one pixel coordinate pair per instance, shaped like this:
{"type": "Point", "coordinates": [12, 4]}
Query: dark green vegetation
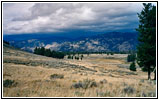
{"type": "Point", "coordinates": [71, 55]}
{"type": "Point", "coordinates": [106, 52]}
{"type": "Point", "coordinates": [8, 83]}
{"type": "Point", "coordinates": [146, 49]}
{"type": "Point", "coordinates": [5, 42]}
{"type": "Point", "coordinates": [79, 57]}
{"type": "Point", "coordinates": [132, 66]}
{"type": "Point", "coordinates": [131, 57]}
{"type": "Point", "coordinates": [48, 53]}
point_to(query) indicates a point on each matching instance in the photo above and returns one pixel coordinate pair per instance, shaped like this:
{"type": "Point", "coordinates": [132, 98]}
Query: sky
{"type": "Point", "coordinates": [22, 18]}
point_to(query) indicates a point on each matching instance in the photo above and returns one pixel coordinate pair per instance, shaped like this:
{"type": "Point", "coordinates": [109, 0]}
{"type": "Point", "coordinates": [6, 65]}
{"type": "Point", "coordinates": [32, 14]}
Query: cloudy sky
{"type": "Point", "coordinates": [20, 18]}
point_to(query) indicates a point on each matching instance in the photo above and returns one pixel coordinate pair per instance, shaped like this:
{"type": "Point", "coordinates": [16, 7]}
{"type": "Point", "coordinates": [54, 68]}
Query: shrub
{"type": "Point", "coordinates": [132, 66]}
{"type": "Point", "coordinates": [111, 53]}
{"type": "Point", "coordinates": [76, 57]}
{"type": "Point", "coordinates": [129, 90]}
{"type": "Point", "coordinates": [55, 76]}
{"type": "Point", "coordinates": [148, 94]}
{"type": "Point", "coordinates": [77, 85]}
{"type": "Point", "coordinates": [69, 57]}
{"type": "Point", "coordinates": [103, 81]}
{"type": "Point", "coordinates": [8, 83]}
{"type": "Point", "coordinates": [86, 83]}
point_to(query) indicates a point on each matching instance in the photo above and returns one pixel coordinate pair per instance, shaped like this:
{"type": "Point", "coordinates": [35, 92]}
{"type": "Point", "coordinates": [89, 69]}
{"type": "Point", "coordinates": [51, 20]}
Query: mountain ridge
{"type": "Point", "coordinates": [112, 41]}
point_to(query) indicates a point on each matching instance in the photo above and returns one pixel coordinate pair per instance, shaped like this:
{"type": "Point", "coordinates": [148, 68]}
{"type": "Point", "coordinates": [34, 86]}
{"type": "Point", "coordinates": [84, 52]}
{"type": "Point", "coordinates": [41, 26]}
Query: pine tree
{"type": "Point", "coordinates": [36, 50]}
{"type": "Point", "coordinates": [146, 50]}
{"type": "Point", "coordinates": [69, 57]}
{"type": "Point", "coordinates": [42, 51]}
{"type": "Point", "coordinates": [72, 57]}
{"type": "Point", "coordinates": [47, 53]}
{"type": "Point", "coordinates": [131, 57]}
{"type": "Point", "coordinates": [132, 66]}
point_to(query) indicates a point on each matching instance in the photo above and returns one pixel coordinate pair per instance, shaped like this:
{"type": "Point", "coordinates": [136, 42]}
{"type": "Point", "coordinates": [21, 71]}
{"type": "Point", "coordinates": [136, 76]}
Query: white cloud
{"type": "Point", "coordinates": [55, 17]}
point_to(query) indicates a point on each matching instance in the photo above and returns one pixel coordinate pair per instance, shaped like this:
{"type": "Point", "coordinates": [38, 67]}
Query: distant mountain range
{"type": "Point", "coordinates": [112, 41]}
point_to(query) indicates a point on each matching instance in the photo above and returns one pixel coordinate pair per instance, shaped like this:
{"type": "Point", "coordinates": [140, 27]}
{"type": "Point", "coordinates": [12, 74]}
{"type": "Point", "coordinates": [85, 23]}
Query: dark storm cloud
{"type": "Point", "coordinates": [55, 17]}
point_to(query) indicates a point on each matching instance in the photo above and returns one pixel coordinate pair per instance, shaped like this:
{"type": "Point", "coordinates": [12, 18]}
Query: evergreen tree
{"type": "Point", "coordinates": [131, 57]}
{"type": "Point", "coordinates": [72, 57]}
{"type": "Point", "coordinates": [111, 53]}
{"type": "Point", "coordinates": [69, 57]}
{"type": "Point", "coordinates": [47, 53]}
{"type": "Point", "coordinates": [42, 51]}
{"type": "Point", "coordinates": [146, 50]}
{"type": "Point", "coordinates": [132, 66]}
{"type": "Point", "coordinates": [36, 50]}
{"type": "Point", "coordinates": [77, 58]}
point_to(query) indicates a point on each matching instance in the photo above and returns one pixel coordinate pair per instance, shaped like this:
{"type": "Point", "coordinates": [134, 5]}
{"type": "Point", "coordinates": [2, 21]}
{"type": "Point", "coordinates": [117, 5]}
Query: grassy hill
{"type": "Point", "coordinates": [29, 75]}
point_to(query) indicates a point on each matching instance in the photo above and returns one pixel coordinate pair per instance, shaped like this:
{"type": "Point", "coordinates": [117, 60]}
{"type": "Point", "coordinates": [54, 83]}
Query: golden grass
{"type": "Point", "coordinates": [34, 81]}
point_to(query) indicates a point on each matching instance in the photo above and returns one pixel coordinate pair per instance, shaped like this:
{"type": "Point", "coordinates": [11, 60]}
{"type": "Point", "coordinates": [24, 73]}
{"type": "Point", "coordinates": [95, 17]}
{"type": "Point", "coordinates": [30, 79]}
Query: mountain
{"type": "Point", "coordinates": [112, 41]}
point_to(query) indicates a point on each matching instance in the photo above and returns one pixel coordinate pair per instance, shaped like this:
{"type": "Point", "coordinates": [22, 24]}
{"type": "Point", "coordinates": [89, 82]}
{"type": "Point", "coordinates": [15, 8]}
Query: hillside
{"type": "Point", "coordinates": [29, 75]}
{"type": "Point", "coordinates": [113, 41]}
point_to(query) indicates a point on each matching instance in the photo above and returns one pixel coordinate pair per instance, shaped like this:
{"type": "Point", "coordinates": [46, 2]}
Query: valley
{"type": "Point", "coordinates": [96, 75]}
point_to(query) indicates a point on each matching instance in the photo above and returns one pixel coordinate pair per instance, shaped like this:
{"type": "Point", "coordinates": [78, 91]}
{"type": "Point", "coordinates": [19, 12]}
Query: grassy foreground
{"type": "Point", "coordinates": [32, 75]}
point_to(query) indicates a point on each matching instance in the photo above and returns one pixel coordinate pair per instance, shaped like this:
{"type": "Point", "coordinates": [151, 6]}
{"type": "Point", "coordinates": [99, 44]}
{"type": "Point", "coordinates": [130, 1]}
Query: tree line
{"type": "Point", "coordinates": [55, 54]}
{"type": "Point", "coordinates": [79, 57]}
{"type": "Point", "coordinates": [48, 53]}
{"type": "Point", "coordinates": [101, 52]}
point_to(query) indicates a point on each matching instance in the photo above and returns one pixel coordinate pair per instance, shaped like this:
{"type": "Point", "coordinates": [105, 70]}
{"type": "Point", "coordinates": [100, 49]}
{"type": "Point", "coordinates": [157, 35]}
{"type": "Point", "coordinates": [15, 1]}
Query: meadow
{"type": "Point", "coordinates": [96, 75]}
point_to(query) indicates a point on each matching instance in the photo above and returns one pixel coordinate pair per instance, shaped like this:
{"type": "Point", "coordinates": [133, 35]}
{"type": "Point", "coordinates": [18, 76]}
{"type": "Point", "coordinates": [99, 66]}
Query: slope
{"type": "Point", "coordinates": [31, 75]}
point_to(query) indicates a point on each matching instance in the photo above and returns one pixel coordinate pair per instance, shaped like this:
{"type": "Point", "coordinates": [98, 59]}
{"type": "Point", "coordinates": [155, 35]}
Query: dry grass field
{"type": "Point", "coordinates": [94, 76]}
